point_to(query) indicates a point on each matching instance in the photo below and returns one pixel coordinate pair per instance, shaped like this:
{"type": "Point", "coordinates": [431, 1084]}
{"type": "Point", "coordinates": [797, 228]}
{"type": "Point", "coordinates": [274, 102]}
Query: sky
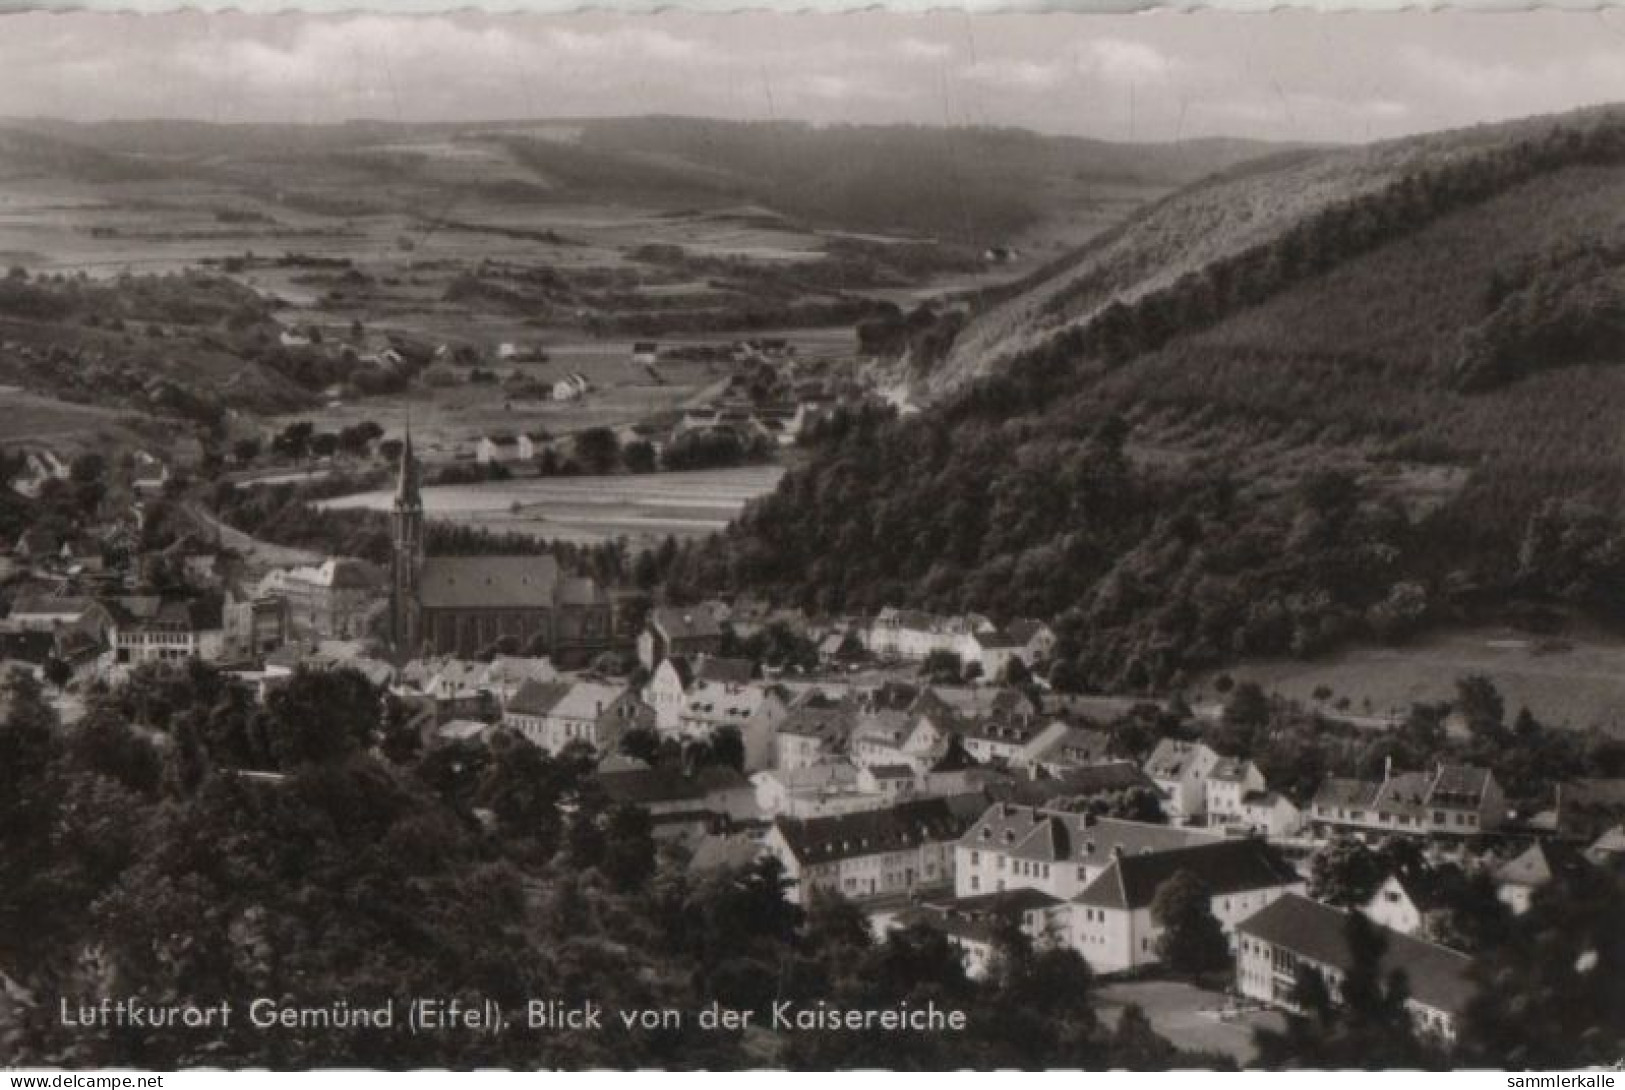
{"type": "Point", "coordinates": [1153, 76]}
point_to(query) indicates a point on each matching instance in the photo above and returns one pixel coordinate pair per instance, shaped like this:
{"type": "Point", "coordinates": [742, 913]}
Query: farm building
{"type": "Point", "coordinates": [500, 448]}
{"type": "Point", "coordinates": [571, 387]}
{"type": "Point", "coordinates": [645, 353]}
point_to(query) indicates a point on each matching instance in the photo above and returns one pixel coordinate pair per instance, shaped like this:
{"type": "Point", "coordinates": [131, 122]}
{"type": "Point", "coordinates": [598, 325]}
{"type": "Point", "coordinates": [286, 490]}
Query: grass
{"type": "Point", "coordinates": [1188, 1016]}
{"type": "Point", "coordinates": [1575, 681]}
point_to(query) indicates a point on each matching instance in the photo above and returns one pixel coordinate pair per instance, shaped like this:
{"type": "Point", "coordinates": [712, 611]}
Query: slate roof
{"type": "Point", "coordinates": [1171, 758]}
{"type": "Point", "coordinates": [1047, 836]}
{"type": "Point", "coordinates": [1438, 977]}
{"type": "Point", "coordinates": [488, 582]}
{"type": "Point", "coordinates": [1073, 745]}
{"type": "Point", "coordinates": [832, 724]}
{"type": "Point", "coordinates": [1228, 866]}
{"type": "Point", "coordinates": [897, 828]}
{"type": "Point", "coordinates": [49, 605]}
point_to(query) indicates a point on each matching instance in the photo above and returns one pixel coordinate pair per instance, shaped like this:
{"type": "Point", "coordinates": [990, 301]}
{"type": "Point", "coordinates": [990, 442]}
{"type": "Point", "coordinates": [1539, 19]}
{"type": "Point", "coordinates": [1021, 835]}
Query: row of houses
{"type": "Point", "coordinates": [914, 636]}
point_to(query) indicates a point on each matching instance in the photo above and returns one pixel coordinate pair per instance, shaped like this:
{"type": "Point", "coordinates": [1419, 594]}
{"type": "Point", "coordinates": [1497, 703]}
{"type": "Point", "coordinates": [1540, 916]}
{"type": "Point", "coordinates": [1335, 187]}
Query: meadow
{"type": "Point", "coordinates": [643, 508]}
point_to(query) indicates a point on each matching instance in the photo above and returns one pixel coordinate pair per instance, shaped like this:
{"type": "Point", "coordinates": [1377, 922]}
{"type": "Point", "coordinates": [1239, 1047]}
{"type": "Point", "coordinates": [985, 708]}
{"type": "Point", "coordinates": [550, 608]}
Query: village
{"type": "Point", "coordinates": [916, 765]}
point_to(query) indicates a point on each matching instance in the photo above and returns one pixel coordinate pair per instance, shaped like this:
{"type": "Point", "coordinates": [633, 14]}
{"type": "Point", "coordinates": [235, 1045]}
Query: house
{"type": "Point", "coordinates": [675, 631]}
{"type": "Point", "coordinates": [1586, 808]}
{"type": "Point", "coordinates": [500, 448]}
{"type": "Point", "coordinates": [972, 924]}
{"type": "Point", "coordinates": [899, 851]}
{"type": "Point", "coordinates": [1180, 771]}
{"type": "Point", "coordinates": [1541, 864]}
{"type": "Point", "coordinates": [1452, 801]}
{"type": "Point", "coordinates": [1036, 639]}
{"type": "Point", "coordinates": [255, 624]}
{"type": "Point", "coordinates": [1608, 850]}
{"type": "Point", "coordinates": [1295, 932]}
{"type": "Point", "coordinates": [571, 387]}
{"type": "Point", "coordinates": [1407, 903]}
{"type": "Point", "coordinates": [723, 694]}
{"type": "Point", "coordinates": [532, 444]}
{"type": "Point", "coordinates": [1227, 785]}
{"type": "Point", "coordinates": [1112, 924]}
{"type": "Point", "coordinates": [40, 466]}
{"type": "Point", "coordinates": [666, 692]}
{"type": "Point", "coordinates": [505, 675]}
{"type": "Point", "coordinates": [47, 612]}
{"type": "Point", "coordinates": [38, 544]}
{"type": "Point", "coordinates": [555, 714]}
{"type": "Point", "coordinates": [149, 474]}
{"type": "Point", "coordinates": [1015, 847]}
{"type": "Point", "coordinates": [335, 599]}
{"type": "Point", "coordinates": [1060, 747]}
{"type": "Point", "coordinates": [1270, 814]}
{"type": "Point", "coordinates": [915, 636]}
{"type": "Point", "coordinates": [645, 353]}
{"type": "Point", "coordinates": [815, 790]}
{"type": "Point", "coordinates": [814, 729]}
{"type": "Point", "coordinates": [143, 629]}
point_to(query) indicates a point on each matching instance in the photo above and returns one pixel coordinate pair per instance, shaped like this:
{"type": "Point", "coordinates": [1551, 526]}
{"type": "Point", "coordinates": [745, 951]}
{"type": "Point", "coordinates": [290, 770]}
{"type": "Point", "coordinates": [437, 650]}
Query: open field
{"type": "Point", "coordinates": [643, 508]}
{"type": "Point", "coordinates": [1189, 1015]}
{"type": "Point", "coordinates": [64, 426]}
{"type": "Point", "coordinates": [1576, 681]}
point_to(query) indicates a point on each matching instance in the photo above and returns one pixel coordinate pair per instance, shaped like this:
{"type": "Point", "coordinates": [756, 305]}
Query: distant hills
{"type": "Point", "coordinates": [978, 186]}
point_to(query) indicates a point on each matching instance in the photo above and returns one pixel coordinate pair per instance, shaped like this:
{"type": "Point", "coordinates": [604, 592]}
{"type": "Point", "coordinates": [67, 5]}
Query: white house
{"type": "Point", "coordinates": [1180, 770]}
{"type": "Point", "coordinates": [1112, 922]}
{"type": "Point", "coordinates": [1451, 802]}
{"type": "Point", "coordinates": [553, 714]}
{"type": "Point", "coordinates": [500, 448]}
{"type": "Point", "coordinates": [571, 387]}
{"type": "Point", "coordinates": [1226, 787]}
{"type": "Point", "coordinates": [666, 692]}
{"type": "Point", "coordinates": [897, 851]}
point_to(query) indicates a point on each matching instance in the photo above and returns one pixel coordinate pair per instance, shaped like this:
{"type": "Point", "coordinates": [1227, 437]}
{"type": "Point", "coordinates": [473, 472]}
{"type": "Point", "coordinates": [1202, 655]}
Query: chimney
{"type": "Point", "coordinates": [1387, 768]}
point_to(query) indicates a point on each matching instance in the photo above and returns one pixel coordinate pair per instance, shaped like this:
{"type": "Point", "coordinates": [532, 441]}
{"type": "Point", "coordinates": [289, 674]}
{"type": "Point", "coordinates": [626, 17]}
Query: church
{"type": "Point", "coordinates": [464, 605]}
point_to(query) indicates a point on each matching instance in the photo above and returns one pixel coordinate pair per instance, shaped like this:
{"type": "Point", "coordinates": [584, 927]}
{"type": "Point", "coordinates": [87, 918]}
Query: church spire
{"type": "Point", "coordinates": [406, 482]}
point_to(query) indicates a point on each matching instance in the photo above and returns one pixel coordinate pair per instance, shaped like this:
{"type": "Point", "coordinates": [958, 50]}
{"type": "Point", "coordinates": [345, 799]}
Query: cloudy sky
{"type": "Point", "coordinates": [1146, 77]}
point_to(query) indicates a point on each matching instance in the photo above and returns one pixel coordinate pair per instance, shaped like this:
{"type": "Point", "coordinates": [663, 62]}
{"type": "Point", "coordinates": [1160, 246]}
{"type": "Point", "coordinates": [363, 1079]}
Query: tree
{"type": "Point", "coordinates": [1248, 706]}
{"type": "Point", "coordinates": [57, 671]}
{"type": "Point", "coordinates": [598, 449]}
{"type": "Point", "coordinates": [639, 456]}
{"type": "Point", "coordinates": [1480, 704]}
{"type": "Point", "coordinates": [1192, 941]}
{"type": "Point", "coordinates": [629, 847]}
{"type": "Point", "coordinates": [245, 450]}
{"type": "Point", "coordinates": [293, 441]}
{"type": "Point", "coordinates": [1345, 873]}
{"type": "Point", "coordinates": [322, 715]}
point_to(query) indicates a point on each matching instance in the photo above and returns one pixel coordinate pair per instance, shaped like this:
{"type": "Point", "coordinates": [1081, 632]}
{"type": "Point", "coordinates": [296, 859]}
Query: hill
{"type": "Point", "coordinates": [1399, 409]}
{"type": "Point", "coordinates": [969, 185]}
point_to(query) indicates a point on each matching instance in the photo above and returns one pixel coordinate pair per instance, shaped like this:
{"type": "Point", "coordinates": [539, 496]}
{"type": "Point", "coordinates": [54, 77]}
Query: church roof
{"type": "Point", "coordinates": [488, 582]}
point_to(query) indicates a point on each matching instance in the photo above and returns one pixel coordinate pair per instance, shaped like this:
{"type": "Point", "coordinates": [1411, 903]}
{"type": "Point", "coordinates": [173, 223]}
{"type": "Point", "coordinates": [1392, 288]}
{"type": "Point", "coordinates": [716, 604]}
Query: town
{"type": "Point", "coordinates": [914, 765]}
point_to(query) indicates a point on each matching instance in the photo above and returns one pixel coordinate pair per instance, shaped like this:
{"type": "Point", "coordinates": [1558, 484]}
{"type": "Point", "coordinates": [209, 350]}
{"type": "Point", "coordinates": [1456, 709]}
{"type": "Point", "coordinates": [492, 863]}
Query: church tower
{"type": "Point", "coordinates": [408, 556]}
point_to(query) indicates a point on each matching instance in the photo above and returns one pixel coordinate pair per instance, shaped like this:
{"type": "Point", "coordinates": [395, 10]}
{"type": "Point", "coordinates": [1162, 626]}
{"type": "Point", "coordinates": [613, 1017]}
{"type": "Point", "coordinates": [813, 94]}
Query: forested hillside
{"type": "Point", "coordinates": [1402, 410]}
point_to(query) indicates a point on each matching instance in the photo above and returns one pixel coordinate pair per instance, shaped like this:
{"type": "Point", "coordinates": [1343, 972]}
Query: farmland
{"type": "Point", "coordinates": [642, 508]}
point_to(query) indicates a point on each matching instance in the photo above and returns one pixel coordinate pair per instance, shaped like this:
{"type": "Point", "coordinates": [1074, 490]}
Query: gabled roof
{"type": "Point", "coordinates": [50, 605]}
{"type": "Point", "coordinates": [488, 582]}
{"type": "Point", "coordinates": [725, 671]}
{"type": "Point", "coordinates": [1172, 758]}
{"type": "Point", "coordinates": [1438, 977]}
{"type": "Point", "coordinates": [678, 665]}
{"type": "Point", "coordinates": [1542, 862]}
{"type": "Point", "coordinates": [1228, 866]}
{"type": "Point", "coordinates": [1052, 836]}
{"type": "Point", "coordinates": [850, 836]}
{"type": "Point", "coordinates": [1024, 630]}
{"type": "Point", "coordinates": [538, 697]}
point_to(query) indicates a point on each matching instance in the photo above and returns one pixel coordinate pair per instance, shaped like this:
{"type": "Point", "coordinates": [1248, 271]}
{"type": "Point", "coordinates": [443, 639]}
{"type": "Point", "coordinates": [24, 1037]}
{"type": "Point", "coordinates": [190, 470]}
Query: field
{"type": "Point", "coordinates": [1574, 681]}
{"type": "Point", "coordinates": [642, 508]}
{"type": "Point", "coordinates": [63, 426]}
{"type": "Point", "coordinates": [1190, 1016]}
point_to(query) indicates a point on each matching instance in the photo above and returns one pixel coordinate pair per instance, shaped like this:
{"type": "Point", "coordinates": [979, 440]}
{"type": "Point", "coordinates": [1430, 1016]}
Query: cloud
{"type": "Point", "coordinates": [1119, 60]}
{"type": "Point", "coordinates": [1010, 73]}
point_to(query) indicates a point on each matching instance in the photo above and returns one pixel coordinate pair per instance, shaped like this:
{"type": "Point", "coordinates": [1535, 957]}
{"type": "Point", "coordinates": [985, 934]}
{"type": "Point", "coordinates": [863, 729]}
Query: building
{"type": "Point", "coordinates": [1586, 808]}
{"type": "Point", "coordinates": [814, 790]}
{"type": "Point", "coordinates": [1405, 903]}
{"type": "Point", "coordinates": [666, 692]}
{"type": "Point", "coordinates": [465, 605]}
{"type": "Point", "coordinates": [814, 730]}
{"type": "Point", "coordinates": [143, 629]}
{"type": "Point", "coordinates": [571, 387]}
{"type": "Point", "coordinates": [645, 353]}
{"type": "Point", "coordinates": [555, 714]}
{"type": "Point", "coordinates": [1452, 801]}
{"type": "Point", "coordinates": [333, 600]}
{"type": "Point", "coordinates": [1541, 864]}
{"type": "Point", "coordinates": [1036, 638]}
{"type": "Point", "coordinates": [255, 625]}
{"type": "Point", "coordinates": [1271, 814]}
{"type": "Point", "coordinates": [972, 924]}
{"type": "Point", "coordinates": [532, 444]}
{"type": "Point", "coordinates": [1060, 748]}
{"type": "Point", "coordinates": [47, 612]}
{"type": "Point", "coordinates": [501, 448]}
{"type": "Point", "coordinates": [676, 631]}
{"type": "Point", "coordinates": [1295, 933]}
{"type": "Point", "coordinates": [1226, 788]}
{"type": "Point", "coordinates": [1112, 924]}
{"type": "Point", "coordinates": [149, 475]}
{"type": "Point", "coordinates": [1028, 847]}
{"type": "Point", "coordinates": [915, 636]}
{"type": "Point", "coordinates": [1180, 771]}
{"type": "Point", "coordinates": [895, 852]}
